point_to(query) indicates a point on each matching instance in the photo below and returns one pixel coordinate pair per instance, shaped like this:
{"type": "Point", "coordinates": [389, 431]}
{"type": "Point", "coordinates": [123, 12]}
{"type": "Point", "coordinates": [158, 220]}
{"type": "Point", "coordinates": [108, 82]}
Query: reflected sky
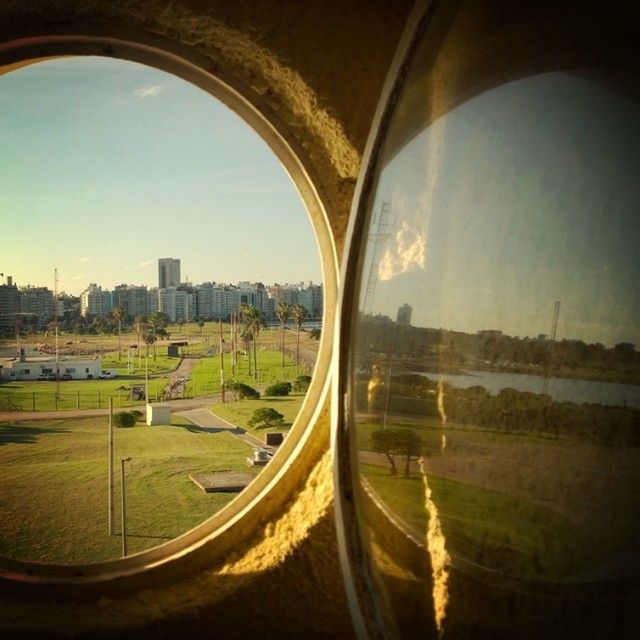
{"type": "Point", "coordinates": [530, 196]}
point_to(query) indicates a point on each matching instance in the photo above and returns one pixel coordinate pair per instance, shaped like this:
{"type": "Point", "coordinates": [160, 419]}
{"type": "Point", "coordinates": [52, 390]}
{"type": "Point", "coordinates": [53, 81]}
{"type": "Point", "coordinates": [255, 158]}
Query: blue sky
{"type": "Point", "coordinates": [524, 195]}
{"type": "Point", "coordinates": [106, 166]}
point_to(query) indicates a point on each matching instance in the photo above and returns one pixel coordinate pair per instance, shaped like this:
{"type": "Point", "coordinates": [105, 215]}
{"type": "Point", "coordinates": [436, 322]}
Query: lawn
{"type": "Point", "coordinates": [39, 395]}
{"type": "Point", "coordinates": [239, 412]}
{"type": "Point", "coordinates": [53, 486]}
{"type": "Point", "coordinates": [514, 536]}
{"type": "Point", "coordinates": [205, 378]}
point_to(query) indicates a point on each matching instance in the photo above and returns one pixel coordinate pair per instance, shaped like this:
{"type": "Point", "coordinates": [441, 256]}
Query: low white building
{"type": "Point", "coordinates": [39, 368]}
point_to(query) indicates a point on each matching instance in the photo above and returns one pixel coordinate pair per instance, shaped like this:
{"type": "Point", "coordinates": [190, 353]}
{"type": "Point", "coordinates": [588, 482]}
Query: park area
{"type": "Point", "coordinates": [54, 485]}
{"type": "Point", "coordinates": [524, 505]}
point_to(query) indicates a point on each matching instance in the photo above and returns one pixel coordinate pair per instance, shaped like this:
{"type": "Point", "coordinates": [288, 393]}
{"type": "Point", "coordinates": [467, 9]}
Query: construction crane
{"type": "Point", "coordinates": [382, 230]}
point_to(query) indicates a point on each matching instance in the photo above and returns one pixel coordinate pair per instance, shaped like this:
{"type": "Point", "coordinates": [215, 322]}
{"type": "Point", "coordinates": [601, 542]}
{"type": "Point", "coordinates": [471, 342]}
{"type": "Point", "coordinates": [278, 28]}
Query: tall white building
{"type": "Point", "coordinates": [94, 300]}
{"type": "Point", "coordinates": [168, 273]}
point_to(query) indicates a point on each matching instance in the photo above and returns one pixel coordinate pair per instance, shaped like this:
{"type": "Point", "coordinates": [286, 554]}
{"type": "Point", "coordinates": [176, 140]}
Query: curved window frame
{"type": "Point", "coordinates": [358, 582]}
{"type": "Point", "coordinates": [214, 540]}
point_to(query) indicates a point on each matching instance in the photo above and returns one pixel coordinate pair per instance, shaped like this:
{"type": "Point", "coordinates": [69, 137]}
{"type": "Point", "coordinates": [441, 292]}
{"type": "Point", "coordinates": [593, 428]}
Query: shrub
{"type": "Point", "coordinates": [278, 389]}
{"type": "Point", "coordinates": [243, 391]}
{"type": "Point", "coordinates": [138, 415]}
{"type": "Point", "coordinates": [124, 419]}
{"type": "Point", "coordinates": [265, 417]}
{"type": "Point", "coordinates": [302, 383]}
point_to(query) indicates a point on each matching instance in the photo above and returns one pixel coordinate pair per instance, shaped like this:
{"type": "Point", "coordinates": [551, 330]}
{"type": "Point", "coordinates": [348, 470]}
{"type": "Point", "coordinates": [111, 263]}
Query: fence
{"type": "Point", "coordinates": [39, 401]}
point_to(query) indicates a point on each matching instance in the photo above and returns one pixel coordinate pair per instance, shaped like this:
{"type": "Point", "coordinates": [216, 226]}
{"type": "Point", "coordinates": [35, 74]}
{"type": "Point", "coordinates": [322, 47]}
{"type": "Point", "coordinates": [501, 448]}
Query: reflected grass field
{"type": "Point", "coordinates": [514, 536]}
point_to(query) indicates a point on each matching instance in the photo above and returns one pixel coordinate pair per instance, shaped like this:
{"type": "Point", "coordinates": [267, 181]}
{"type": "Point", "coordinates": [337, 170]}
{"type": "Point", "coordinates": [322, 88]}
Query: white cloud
{"type": "Point", "coordinates": [84, 259]}
{"type": "Point", "coordinates": [146, 263]}
{"type": "Point", "coordinates": [148, 91]}
{"type": "Point", "coordinates": [408, 254]}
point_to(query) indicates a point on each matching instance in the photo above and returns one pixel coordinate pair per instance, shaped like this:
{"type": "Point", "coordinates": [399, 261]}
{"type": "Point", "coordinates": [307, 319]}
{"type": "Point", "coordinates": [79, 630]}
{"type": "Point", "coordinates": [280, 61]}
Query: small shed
{"type": "Point", "coordinates": [158, 414]}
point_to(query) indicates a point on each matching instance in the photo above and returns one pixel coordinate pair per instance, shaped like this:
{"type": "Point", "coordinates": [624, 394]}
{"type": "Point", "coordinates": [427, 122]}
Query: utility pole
{"type": "Point", "coordinates": [111, 500]}
{"type": "Point", "coordinates": [123, 499]}
{"type": "Point", "coordinates": [221, 360]}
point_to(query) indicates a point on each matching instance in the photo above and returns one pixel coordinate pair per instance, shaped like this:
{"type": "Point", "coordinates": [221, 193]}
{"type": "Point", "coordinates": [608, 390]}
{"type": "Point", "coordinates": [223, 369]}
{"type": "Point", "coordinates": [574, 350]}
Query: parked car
{"type": "Point", "coordinates": [66, 376]}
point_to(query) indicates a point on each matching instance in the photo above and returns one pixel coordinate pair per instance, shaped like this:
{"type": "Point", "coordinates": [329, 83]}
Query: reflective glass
{"type": "Point", "coordinates": [493, 372]}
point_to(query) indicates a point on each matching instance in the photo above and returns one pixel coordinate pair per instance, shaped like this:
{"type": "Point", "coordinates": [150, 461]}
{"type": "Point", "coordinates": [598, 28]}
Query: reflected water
{"type": "Point", "coordinates": [494, 373]}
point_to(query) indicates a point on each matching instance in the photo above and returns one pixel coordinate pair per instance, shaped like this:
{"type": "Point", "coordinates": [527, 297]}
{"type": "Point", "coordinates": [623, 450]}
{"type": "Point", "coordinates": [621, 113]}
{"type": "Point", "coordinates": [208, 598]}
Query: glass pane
{"type": "Point", "coordinates": [494, 373]}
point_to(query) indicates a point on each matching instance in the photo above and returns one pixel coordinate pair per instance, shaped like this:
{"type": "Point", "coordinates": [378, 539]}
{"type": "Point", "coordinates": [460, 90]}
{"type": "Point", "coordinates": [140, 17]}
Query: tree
{"type": "Point", "coordinates": [124, 419]}
{"type": "Point", "coordinates": [409, 444]}
{"type": "Point", "coordinates": [282, 313]}
{"type": "Point", "coordinates": [149, 338]}
{"type": "Point", "coordinates": [253, 321]}
{"type": "Point", "coordinates": [298, 313]}
{"type": "Point", "coordinates": [141, 322]}
{"type": "Point", "coordinates": [302, 383]}
{"type": "Point", "coordinates": [201, 325]}
{"type": "Point", "coordinates": [118, 316]}
{"type": "Point", "coordinates": [278, 389]}
{"type": "Point", "coordinates": [265, 417]}
{"type": "Point", "coordinates": [384, 441]}
{"type": "Point", "coordinates": [395, 441]}
{"type": "Point", "coordinates": [243, 391]}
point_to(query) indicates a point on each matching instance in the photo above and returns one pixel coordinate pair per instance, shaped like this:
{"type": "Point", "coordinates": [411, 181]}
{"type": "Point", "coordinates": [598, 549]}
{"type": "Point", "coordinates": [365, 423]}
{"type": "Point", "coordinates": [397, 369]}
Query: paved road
{"type": "Point", "coordinates": [202, 417]}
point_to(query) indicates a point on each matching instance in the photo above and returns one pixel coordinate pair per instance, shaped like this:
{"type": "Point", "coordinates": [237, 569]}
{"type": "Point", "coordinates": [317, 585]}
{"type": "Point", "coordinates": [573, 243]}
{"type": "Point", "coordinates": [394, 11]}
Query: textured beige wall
{"type": "Point", "coordinates": [315, 70]}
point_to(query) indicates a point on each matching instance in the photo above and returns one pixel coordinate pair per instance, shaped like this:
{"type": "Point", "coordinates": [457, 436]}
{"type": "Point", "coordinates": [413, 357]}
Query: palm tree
{"type": "Point", "coordinates": [118, 316]}
{"type": "Point", "coordinates": [282, 313]}
{"type": "Point", "coordinates": [141, 323]}
{"type": "Point", "coordinates": [149, 338]}
{"type": "Point", "coordinates": [298, 313]}
{"type": "Point", "coordinates": [253, 321]}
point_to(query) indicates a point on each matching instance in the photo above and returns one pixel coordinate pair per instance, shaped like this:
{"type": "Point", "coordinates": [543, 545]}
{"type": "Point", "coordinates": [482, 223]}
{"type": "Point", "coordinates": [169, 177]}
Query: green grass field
{"type": "Point", "coordinates": [512, 535]}
{"type": "Point", "coordinates": [39, 395]}
{"type": "Point", "coordinates": [54, 480]}
{"type": "Point", "coordinates": [205, 378]}
{"type": "Point", "coordinates": [238, 413]}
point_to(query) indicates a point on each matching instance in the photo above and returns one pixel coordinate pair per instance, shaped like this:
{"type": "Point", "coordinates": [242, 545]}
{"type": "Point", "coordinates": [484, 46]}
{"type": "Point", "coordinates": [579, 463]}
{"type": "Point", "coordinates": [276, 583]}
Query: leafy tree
{"type": "Point", "coordinates": [282, 313]}
{"type": "Point", "coordinates": [243, 390]}
{"type": "Point", "coordinates": [278, 389]}
{"type": "Point", "coordinates": [201, 325]}
{"type": "Point", "coordinates": [124, 419]}
{"type": "Point", "coordinates": [384, 441]}
{"type": "Point", "coordinates": [409, 444]}
{"type": "Point", "coordinates": [141, 323]}
{"type": "Point", "coordinates": [298, 313]}
{"type": "Point", "coordinates": [315, 333]}
{"type": "Point", "coordinates": [265, 417]}
{"type": "Point", "coordinates": [302, 383]}
{"type": "Point", "coordinates": [395, 441]}
{"type": "Point", "coordinates": [149, 339]}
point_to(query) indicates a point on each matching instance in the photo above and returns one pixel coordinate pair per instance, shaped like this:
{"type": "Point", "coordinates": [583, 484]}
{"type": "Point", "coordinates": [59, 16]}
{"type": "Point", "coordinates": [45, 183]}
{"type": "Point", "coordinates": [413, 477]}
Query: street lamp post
{"type": "Point", "coordinates": [124, 506]}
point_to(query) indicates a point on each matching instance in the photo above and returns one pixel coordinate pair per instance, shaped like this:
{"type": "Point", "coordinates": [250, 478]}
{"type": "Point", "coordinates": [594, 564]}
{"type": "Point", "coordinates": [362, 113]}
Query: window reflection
{"type": "Point", "coordinates": [494, 372]}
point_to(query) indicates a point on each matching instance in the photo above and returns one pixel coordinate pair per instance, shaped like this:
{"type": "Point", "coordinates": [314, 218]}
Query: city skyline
{"type": "Point", "coordinates": [108, 165]}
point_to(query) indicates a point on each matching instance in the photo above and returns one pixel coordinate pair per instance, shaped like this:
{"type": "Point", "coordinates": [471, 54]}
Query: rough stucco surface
{"type": "Point", "coordinates": [315, 70]}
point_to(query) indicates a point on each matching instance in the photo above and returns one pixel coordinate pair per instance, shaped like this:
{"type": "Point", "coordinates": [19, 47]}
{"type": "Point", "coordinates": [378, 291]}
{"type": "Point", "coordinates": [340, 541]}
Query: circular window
{"type": "Point", "coordinates": [112, 167]}
{"type": "Point", "coordinates": [488, 452]}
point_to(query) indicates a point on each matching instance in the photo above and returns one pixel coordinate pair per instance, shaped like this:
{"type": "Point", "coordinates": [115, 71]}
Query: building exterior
{"type": "Point", "coordinates": [177, 303]}
{"type": "Point", "coordinates": [9, 303]}
{"type": "Point", "coordinates": [132, 298]}
{"type": "Point", "coordinates": [38, 302]}
{"type": "Point", "coordinates": [404, 315]}
{"type": "Point", "coordinates": [168, 273]}
{"type": "Point", "coordinates": [37, 368]}
{"type": "Point", "coordinates": [95, 301]}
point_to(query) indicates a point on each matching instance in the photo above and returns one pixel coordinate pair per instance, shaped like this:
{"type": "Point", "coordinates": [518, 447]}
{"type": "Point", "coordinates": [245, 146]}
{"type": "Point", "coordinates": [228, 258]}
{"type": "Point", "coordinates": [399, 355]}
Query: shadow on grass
{"type": "Point", "coordinates": [194, 428]}
{"type": "Point", "coordinates": [20, 434]}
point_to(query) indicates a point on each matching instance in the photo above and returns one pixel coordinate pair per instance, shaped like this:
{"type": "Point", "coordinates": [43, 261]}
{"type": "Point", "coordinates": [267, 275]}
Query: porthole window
{"type": "Point", "coordinates": [147, 231]}
{"type": "Point", "coordinates": [488, 406]}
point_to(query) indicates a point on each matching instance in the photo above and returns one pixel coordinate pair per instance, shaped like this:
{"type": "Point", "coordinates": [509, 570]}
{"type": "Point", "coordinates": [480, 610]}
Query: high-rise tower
{"type": "Point", "coordinates": [168, 272]}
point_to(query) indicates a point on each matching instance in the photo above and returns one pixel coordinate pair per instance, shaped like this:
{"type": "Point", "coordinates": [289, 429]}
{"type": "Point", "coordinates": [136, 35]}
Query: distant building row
{"type": "Point", "coordinates": [33, 305]}
{"type": "Point", "coordinates": [207, 301]}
